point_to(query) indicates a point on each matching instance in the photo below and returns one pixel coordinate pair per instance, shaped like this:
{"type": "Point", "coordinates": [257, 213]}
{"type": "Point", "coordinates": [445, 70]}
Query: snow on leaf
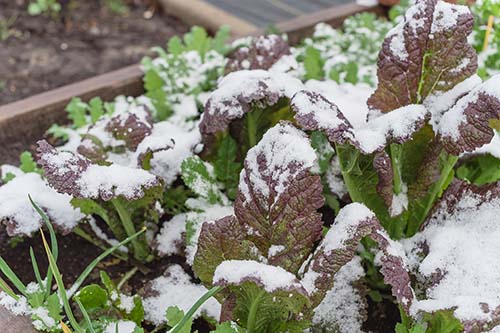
{"type": "Point", "coordinates": [426, 52]}
{"type": "Point", "coordinates": [19, 216]}
{"type": "Point", "coordinates": [456, 253]}
{"type": "Point", "coordinates": [278, 197]}
{"type": "Point", "coordinates": [466, 126]}
{"type": "Point", "coordinates": [238, 92]}
{"type": "Point", "coordinates": [337, 248]}
{"type": "Point", "coordinates": [131, 127]}
{"type": "Point", "coordinates": [76, 175]}
{"type": "Point", "coordinates": [262, 53]}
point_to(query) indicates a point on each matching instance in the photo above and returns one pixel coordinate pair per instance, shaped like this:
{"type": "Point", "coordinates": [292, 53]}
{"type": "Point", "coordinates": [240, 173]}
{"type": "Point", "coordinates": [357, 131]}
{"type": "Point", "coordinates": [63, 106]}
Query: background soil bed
{"type": "Point", "coordinates": [84, 40]}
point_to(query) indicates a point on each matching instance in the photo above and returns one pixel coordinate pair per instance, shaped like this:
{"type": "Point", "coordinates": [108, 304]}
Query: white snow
{"type": "Point", "coordinates": [464, 246]}
{"type": "Point", "coordinates": [397, 44]}
{"type": "Point", "coordinates": [122, 326]}
{"type": "Point", "coordinates": [271, 278]}
{"type": "Point", "coordinates": [176, 289]}
{"type": "Point", "coordinates": [343, 306]}
{"type": "Point", "coordinates": [114, 179]}
{"type": "Point", "coordinates": [16, 207]}
{"type": "Point", "coordinates": [446, 16]}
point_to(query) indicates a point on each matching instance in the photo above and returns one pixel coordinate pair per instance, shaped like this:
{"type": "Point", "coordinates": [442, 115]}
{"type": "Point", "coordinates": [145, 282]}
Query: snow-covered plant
{"type": "Point", "coordinates": [124, 198]}
{"type": "Point", "coordinates": [344, 55]}
{"type": "Point", "coordinates": [38, 300]}
{"type": "Point", "coordinates": [263, 254]}
{"type": "Point", "coordinates": [189, 67]}
{"type": "Point", "coordinates": [428, 108]}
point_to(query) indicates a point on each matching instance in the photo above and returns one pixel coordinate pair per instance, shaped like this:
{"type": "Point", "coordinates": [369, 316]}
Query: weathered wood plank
{"type": "Point", "coordinates": [12, 324]}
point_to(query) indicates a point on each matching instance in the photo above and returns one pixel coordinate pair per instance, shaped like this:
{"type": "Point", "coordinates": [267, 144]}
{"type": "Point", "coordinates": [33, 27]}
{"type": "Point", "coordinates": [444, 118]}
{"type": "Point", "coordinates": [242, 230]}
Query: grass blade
{"type": "Point", "coordinates": [194, 308]}
{"type": "Point", "coordinates": [85, 314]}
{"type": "Point", "coordinates": [5, 287]}
{"type": "Point", "coordinates": [35, 269]}
{"type": "Point", "coordinates": [12, 277]}
{"type": "Point", "coordinates": [60, 286]}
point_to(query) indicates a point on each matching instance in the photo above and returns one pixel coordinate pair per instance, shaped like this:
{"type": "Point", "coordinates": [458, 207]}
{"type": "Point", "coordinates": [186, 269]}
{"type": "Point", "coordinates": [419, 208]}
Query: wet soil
{"type": "Point", "coordinates": [86, 38]}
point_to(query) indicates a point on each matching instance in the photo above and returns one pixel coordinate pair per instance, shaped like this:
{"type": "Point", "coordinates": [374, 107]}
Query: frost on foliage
{"type": "Point", "coordinates": [343, 309]}
{"type": "Point", "coordinates": [277, 192]}
{"type": "Point", "coordinates": [18, 214]}
{"type": "Point", "coordinates": [123, 326]}
{"type": "Point", "coordinates": [456, 256]}
{"type": "Point", "coordinates": [238, 92]}
{"type": "Point", "coordinates": [465, 127]}
{"type": "Point", "coordinates": [426, 52]}
{"type": "Point", "coordinates": [76, 175]}
{"type": "Point", "coordinates": [175, 288]}
{"type": "Point", "coordinates": [163, 151]}
{"type": "Point", "coordinates": [337, 248]}
{"type": "Point", "coordinates": [262, 53]}
{"type": "Point", "coordinates": [315, 112]}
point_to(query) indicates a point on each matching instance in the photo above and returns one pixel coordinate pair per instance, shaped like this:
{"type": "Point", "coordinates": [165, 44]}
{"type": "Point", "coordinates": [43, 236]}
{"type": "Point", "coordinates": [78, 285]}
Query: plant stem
{"type": "Point", "coordinates": [126, 277]}
{"type": "Point", "coordinates": [252, 313]}
{"type": "Point", "coordinates": [212, 292]}
{"type": "Point", "coordinates": [396, 151]}
{"type": "Point", "coordinates": [251, 129]}
{"type": "Point", "coordinates": [139, 250]}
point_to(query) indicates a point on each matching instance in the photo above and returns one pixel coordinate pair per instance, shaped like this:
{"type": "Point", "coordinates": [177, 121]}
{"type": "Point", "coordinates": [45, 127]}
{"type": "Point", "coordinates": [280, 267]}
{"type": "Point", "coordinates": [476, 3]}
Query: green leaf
{"type": "Point", "coordinates": [324, 150]}
{"type": "Point", "coordinates": [197, 40]}
{"type": "Point", "coordinates": [137, 313]}
{"type": "Point", "coordinates": [28, 164]}
{"type": "Point", "coordinates": [442, 322]}
{"type": "Point", "coordinates": [96, 109]}
{"type": "Point", "coordinates": [54, 307]}
{"type": "Point", "coordinates": [93, 297]}
{"type": "Point", "coordinates": [76, 110]}
{"type": "Point", "coordinates": [199, 177]}
{"type": "Point", "coordinates": [175, 46]}
{"type": "Point", "coordinates": [313, 64]}
{"type": "Point", "coordinates": [174, 315]}
{"type": "Point", "coordinates": [8, 177]}
{"type": "Point", "coordinates": [59, 132]}
{"type": "Point", "coordinates": [480, 169]}
{"type": "Point", "coordinates": [221, 38]}
{"type": "Point", "coordinates": [226, 168]}
{"type": "Point", "coordinates": [174, 200]}
{"type": "Point", "coordinates": [107, 282]}
{"type": "Point", "coordinates": [351, 75]}
{"type": "Point", "coordinates": [227, 327]}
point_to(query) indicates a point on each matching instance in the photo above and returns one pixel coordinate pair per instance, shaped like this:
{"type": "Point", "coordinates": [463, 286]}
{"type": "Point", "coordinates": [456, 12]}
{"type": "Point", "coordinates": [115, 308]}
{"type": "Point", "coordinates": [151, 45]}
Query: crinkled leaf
{"type": "Point", "coordinates": [278, 196]}
{"type": "Point", "coordinates": [262, 53]}
{"type": "Point", "coordinates": [221, 240]}
{"type": "Point", "coordinates": [426, 52]}
{"type": "Point", "coordinates": [28, 164]}
{"type": "Point", "coordinates": [76, 110]}
{"type": "Point", "coordinates": [76, 175]}
{"type": "Point", "coordinates": [382, 163]}
{"type": "Point", "coordinates": [443, 322]}
{"type": "Point", "coordinates": [239, 92]}
{"type": "Point", "coordinates": [131, 127]}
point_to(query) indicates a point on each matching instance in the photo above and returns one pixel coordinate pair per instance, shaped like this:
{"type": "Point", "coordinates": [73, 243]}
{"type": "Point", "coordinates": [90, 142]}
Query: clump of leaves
{"type": "Point", "coordinates": [124, 198]}
{"type": "Point", "coordinates": [46, 7]}
{"type": "Point", "coordinates": [257, 253]}
{"type": "Point", "coordinates": [26, 164]}
{"type": "Point", "coordinates": [402, 160]}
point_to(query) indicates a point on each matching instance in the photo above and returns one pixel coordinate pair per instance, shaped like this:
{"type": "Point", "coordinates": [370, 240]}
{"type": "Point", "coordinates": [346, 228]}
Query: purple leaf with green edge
{"type": "Point", "coordinates": [278, 196]}
{"type": "Point", "coordinates": [268, 298]}
{"type": "Point", "coordinates": [239, 92]}
{"type": "Point", "coordinates": [92, 148]}
{"type": "Point", "coordinates": [426, 52]}
{"type": "Point", "coordinates": [262, 53]}
{"type": "Point", "coordinates": [131, 127]}
{"type": "Point", "coordinates": [337, 248]}
{"type": "Point", "coordinates": [382, 163]}
{"type": "Point", "coordinates": [76, 175]}
{"type": "Point", "coordinates": [220, 240]}
{"type": "Point", "coordinates": [466, 126]}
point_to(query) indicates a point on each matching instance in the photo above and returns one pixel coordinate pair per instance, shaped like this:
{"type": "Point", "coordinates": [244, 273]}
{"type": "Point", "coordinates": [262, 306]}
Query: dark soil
{"type": "Point", "coordinates": [86, 38]}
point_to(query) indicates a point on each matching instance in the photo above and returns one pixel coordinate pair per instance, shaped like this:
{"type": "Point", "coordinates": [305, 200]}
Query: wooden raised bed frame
{"type": "Point", "coordinates": [25, 121]}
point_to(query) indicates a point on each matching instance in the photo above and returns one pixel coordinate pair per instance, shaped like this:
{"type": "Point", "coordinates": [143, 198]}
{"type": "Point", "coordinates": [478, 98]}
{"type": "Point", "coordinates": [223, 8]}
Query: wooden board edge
{"type": "Point", "coordinates": [198, 12]}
